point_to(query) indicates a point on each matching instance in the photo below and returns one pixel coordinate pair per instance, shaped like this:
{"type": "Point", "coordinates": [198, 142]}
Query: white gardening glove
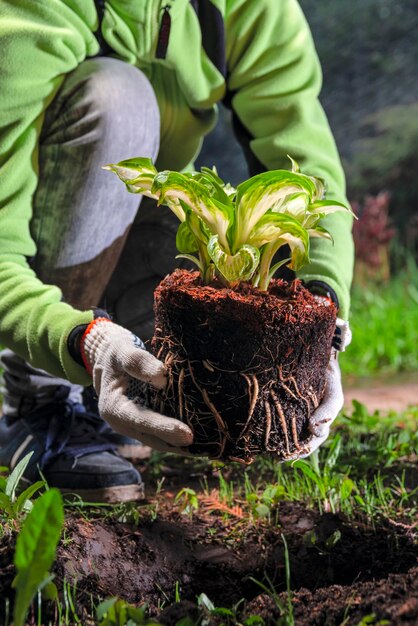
{"type": "Point", "coordinates": [321, 419]}
{"type": "Point", "coordinates": [117, 359]}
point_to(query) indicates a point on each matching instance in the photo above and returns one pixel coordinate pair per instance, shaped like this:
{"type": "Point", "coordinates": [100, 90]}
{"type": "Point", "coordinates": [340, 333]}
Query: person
{"type": "Point", "coordinates": [85, 83]}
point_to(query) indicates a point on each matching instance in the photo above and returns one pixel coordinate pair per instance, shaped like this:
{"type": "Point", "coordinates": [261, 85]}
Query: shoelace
{"type": "Point", "coordinates": [71, 431]}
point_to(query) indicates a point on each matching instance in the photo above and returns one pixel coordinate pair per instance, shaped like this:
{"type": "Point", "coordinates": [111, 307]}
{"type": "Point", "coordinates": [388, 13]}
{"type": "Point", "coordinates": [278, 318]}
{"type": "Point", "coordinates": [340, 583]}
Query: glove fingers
{"type": "Point", "coordinates": [342, 336]}
{"type": "Point", "coordinates": [157, 444]}
{"type": "Point", "coordinates": [134, 420]}
{"type": "Point", "coordinates": [144, 366]}
{"type": "Point", "coordinates": [331, 404]}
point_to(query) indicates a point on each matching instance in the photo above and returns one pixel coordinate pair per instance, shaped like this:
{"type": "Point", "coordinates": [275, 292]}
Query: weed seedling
{"type": "Point", "coordinates": [187, 501]}
{"type": "Point", "coordinates": [35, 551]}
{"type": "Point", "coordinates": [12, 504]}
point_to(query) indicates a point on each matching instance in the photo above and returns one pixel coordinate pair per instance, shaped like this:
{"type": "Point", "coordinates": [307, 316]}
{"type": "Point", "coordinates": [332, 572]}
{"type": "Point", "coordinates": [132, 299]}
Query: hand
{"type": "Point", "coordinates": [321, 419]}
{"type": "Point", "coordinates": [117, 360]}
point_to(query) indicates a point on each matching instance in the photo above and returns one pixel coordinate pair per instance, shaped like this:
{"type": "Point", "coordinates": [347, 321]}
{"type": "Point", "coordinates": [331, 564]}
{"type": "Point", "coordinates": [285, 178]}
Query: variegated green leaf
{"type": "Point", "coordinates": [295, 165]}
{"type": "Point", "coordinates": [277, 266]}
{"type": "Point", "coordinates": [272, 226]}
{"type": "Point", "coordinates": [215, 185]}
{"type": "Point", "coordinates": [192, 259]}
{"type": "Point", "coordinates": [137, 174]}
{"type": "Point", "coordinates": [185, 240]}
{"type": "Point", "coordinates": [171, 186]}
{"type": "Point", "coordinates": [295, 205]}
{"type": "Point", "coordinates": [320, 188]}
{"type": "Point", "coordinates": [319, 231]}
{"type": "Point", "coordinates": [263, 192]}
{"type": "Point", "coordinates": [325, 207]}
{"type": "Point", "coordinates": [240, 266]}
{"type": "Point", "coordinates": [299, 248]}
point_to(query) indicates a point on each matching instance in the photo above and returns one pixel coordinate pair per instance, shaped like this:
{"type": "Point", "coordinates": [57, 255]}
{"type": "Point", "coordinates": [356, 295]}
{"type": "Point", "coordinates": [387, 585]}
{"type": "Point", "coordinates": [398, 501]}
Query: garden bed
{"type": "Point", "coordinates": [366, 571]}
{"type": "Point", "coordinates": [346, 526]}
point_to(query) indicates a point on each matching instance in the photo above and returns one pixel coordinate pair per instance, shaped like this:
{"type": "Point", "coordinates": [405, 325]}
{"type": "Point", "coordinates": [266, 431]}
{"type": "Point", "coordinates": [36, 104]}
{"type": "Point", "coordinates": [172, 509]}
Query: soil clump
{"type": "Point", "coordinates": [246, 367]}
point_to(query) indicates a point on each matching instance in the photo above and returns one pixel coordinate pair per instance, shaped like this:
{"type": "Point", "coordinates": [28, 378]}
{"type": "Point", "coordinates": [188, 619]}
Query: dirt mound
{"type": "Point", "coordinates": [338, 568]}
{"type": "Point", "coordinates": [394, 599]}
{"type": "Point", "coordinates": [145, 563]}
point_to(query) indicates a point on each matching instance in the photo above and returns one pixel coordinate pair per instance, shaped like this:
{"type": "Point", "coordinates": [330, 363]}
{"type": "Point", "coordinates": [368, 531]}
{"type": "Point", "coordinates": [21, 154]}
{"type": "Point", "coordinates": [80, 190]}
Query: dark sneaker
{"type": "Point", "coordinates": [127, 447]}
{"type": "Point", "coordinates": [69, 453]}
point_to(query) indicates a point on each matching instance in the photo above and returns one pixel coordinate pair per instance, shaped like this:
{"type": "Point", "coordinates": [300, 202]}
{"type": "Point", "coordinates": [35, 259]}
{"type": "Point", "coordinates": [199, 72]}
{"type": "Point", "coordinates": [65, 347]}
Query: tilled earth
{"type": "Point", "coordinates": [341, 570]}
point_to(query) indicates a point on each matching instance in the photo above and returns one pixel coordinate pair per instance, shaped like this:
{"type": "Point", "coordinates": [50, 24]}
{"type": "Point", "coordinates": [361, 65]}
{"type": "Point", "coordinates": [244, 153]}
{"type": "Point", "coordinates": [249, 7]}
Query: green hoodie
{"type": "Point", "coordinates": [257, 55]}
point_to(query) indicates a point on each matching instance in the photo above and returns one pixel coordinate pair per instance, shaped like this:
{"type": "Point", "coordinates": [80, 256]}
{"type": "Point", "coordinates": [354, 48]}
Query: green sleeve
{"type": "Point", "coordinates": [274, 78]}
{"type": "Point", "coordinates": [40, 43]}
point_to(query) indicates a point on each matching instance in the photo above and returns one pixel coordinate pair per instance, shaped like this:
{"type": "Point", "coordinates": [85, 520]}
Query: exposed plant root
{"type": "Point", "coordinates": [207, 365]}
{"type": "Point", "coordinates": [187, 410]}
{"type": "Point", "coordinates": [313, 397]}
{"type": "Point", "coordinates": [293, 381]}
{"type": "Point", "coordinates": [295, 433]}
{"type": "Point", "coordinates": [164, 341]}
{"type": "Point", "coordinates": [298, 394]}
{"type": "Point", "coordinates": [289, 391]}
{"type": "Point", "coordinates": [223, 433]}
{"type": "Point", "coordinates": [235, 459]}
{"type": "Point", "coordinates": [282, 418]}
{"type": "Point", "coordinates": [169, 357]}
{"type": "Point", "coordinates": [210, 364]}
{"type": "Point", "coordinates": [180, 391]}
{"type": "Point", "coordinates": [222, 445]}
{"type": "Point", "coordinates": [253, 390]}
{"type": "Point", "coordinates": [268, 422]}
{"type": "Point", "coordinates": [214, 411]}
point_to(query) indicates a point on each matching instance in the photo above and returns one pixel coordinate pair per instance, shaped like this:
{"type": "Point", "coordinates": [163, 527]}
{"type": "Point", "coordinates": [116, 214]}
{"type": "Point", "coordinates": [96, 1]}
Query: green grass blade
{"type": "Point", "coordinates": [16, 475]}
{"type": "Point", "coordinates": [27, 494]}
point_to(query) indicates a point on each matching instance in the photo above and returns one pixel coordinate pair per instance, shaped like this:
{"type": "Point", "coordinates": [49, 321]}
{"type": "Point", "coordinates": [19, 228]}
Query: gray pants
{"type": "Point", "coordinates": [91, 240]}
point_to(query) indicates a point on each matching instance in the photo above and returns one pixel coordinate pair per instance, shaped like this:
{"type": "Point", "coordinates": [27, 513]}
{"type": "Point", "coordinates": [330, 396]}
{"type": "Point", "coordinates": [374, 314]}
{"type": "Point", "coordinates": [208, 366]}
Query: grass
{"type": "Point", "coordinates": [365, 468]}
{"type": "Point", "coordinates": [384, 321]}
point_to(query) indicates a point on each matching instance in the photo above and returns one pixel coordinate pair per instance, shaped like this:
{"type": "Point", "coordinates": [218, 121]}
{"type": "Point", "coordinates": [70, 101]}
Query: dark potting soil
{"type": "Point", "coordinates": [364, 571]}
{"type": "Point", "coordinates": [392, 601]}
{"type": "Point", "coordinates": [246, 367]}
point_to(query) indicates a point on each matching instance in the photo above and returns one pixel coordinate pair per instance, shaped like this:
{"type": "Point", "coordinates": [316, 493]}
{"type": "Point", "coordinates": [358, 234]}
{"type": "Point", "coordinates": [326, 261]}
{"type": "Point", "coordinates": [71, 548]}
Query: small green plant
{"type": "Point", "coordinates": [12, 504]}
{"type": "Point", "coordinates": [286, 617]}
{"type": "Point", "coordinates": [234, 234]}
{"type": "Point", "coordinates": [117, 612]}
{"type": "Point", "coordinates": [262, 505]}
{"type": "Point", "coordinates": [187, 501]}
{"type": "Point", "coordinates": [209, 610]}
{"type": "Point", "coordinates": [35, 551]}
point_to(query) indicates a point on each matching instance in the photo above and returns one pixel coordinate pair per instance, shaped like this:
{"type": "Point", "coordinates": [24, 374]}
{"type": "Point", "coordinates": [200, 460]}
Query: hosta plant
{"type": "Point", "coordinates": [246, 354]}
{"type": "Point", "coordinates": [233, 234]}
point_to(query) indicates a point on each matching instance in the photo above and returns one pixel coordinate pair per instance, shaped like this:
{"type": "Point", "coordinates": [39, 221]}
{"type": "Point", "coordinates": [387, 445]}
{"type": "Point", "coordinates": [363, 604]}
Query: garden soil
{"type": "Point", "coordinates": [340, 570]}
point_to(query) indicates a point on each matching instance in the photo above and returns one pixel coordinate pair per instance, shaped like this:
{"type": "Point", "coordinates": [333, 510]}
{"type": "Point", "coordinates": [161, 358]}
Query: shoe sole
{"type": "Point", "coordinates": [108, 495]}
{"type": "Point", "coordinates": [136, 452]}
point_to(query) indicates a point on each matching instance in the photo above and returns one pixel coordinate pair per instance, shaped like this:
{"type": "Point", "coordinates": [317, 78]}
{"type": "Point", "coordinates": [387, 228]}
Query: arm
{"type": "Point", "coordinates": [40, 43]}
{"type": "Point", "coordinates": [274, 80]}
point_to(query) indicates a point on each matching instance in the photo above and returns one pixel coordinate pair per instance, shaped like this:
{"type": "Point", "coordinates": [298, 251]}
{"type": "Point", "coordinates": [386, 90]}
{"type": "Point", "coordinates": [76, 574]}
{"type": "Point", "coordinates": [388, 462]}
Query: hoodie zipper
{"type": "Point", "coordinates": [164, 33]}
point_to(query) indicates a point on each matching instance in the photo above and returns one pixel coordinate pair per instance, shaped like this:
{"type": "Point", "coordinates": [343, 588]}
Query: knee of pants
{"type": "Point", "coordinates": [108, 102]}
